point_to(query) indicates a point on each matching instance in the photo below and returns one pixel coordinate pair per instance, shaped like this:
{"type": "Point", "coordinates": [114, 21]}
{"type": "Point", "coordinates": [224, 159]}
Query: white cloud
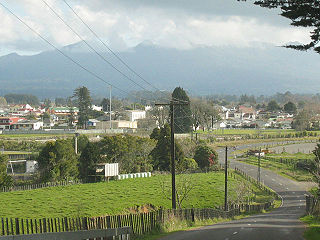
{"type": "Point", "coordinates": [124, 24]}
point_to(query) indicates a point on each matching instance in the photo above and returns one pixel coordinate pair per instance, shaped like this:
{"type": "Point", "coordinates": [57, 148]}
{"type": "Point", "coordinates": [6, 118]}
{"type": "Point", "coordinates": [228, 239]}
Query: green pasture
{"type": "Point", "coordinates": [284, 169]}
{"type": "Point", "coordinates": [116, 197]}
{"type": "Point", "coordinates": [293, 156]}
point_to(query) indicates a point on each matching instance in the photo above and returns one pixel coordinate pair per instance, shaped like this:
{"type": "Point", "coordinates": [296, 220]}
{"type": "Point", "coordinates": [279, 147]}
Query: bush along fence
{"type": "Point", "coordinates": [312, 205]}
{"type": "Point", "coordinates": [40, 185]}
{"type": "Point", "coordinates": [139, 223]}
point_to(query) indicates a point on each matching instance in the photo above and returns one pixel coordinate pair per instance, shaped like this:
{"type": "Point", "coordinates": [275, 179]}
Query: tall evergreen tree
{"type": "Point", "coordinates": [161, 154]}
{"type": "Point", "coordinates": [83, 100]}
{"type": "Point", "coordinates": [90, 156]}
{"type": "Point", "coordinates": [182, 113]}
{"type": "Point", "coordinates": [105, 104]}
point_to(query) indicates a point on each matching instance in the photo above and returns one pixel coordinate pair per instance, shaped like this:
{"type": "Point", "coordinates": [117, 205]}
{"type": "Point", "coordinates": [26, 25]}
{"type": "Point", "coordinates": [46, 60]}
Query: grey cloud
{"type": "Point", "coordinates": [192, 7]}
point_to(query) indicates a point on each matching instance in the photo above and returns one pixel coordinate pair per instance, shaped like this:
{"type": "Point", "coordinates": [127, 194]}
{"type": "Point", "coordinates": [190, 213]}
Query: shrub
{"type": "Point", "coordinates": [205, 156]}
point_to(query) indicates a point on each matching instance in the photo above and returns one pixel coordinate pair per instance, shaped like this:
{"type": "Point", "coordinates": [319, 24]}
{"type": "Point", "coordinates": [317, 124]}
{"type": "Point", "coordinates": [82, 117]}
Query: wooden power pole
{"type": "Point", "coordinates": [172, 149]}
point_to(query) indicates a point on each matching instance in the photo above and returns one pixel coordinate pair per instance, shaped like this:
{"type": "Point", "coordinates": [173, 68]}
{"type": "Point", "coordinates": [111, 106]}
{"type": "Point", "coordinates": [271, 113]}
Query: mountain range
{"type": "Point", "coordinates": [259, 69]}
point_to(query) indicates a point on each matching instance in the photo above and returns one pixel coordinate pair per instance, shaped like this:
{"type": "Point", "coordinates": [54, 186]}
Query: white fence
{"type": "Point", "coordinates": [134, 175]}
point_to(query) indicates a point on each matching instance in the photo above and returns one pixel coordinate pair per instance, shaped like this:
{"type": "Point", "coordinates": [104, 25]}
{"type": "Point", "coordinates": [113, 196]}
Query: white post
{"type": "Point", "coordinates": [110, 107]}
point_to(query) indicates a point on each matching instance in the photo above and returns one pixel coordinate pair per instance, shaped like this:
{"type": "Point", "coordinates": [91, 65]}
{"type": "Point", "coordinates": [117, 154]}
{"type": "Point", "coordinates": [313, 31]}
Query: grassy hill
{"type": "Point", "coordinates": [117, 197]}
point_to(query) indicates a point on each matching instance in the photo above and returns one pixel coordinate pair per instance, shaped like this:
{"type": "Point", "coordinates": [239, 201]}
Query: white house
{"type": "Point", "coordinates": [117, 124]}
{"type": "Point", "coordinates": [28, 125]}
{"type": "Point", "coordinates": [96, 108]}
{"type": "Point", "coordinates": [136, 114]}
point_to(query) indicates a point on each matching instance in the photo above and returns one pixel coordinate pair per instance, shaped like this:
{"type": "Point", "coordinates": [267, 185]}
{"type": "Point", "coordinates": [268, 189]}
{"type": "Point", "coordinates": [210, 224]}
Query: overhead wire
{"type": "Point", "coordinates": [66, 56]}
{"type": "Point", "coordinates": [92, 48]}
{"type": "Point", "coordinates": [116, 55]}
{"type": "Point", "coordinates": [113, 52]}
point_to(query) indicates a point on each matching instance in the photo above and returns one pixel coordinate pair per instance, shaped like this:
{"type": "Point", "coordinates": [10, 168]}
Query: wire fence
{"type": "Point", "coordinates": [41, 185]}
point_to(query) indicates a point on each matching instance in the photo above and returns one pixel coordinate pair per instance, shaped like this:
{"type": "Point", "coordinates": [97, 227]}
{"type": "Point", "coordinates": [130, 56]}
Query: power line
{"type": "Point", "coordinates": [104, 44]}
{"type": "Point", "coordinates": [116, 55]}
{"type": "Point", "coordinates": [65, 55]}
{"type": "Point", "coordinates": [90, 46]}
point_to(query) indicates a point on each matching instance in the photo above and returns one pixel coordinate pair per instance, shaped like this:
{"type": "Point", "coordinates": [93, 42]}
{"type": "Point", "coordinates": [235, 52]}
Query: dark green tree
{"type": "Point", "coordinates": [90, 156]}
{"type": "Point", "coordinates": [155, 134]}
{"type": "Point", "coordinates": [290, 107]}
{"type": "Point", "coordinates": [205, 156]}
{"type": "Point", "coordinates": [182, 113]}
{"type": "Point", "coordinates": [83, 100]}
{"type": "Point", "coordinates": [71, 116]}
{"type": "Point", "coordinates": [131, 152]}
{"type": "Point", "coordinates": [273, 106]}
{"type": "Point", "coordinates": [161, 154]}
{"type": "Point", "coordinates": [5, 179]}
{"type": "Point", "coordinates": [57, 161]}
{"type": "Point", "coordinates": [83, 140]}
{"type": "Point", "coordinates": [302, 13]}
{"type": "Point", "coordinates": [105, 103]}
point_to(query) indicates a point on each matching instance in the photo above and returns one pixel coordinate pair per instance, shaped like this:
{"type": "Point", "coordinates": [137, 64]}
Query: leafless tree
{"type": "Point", "coordinates": [184, 185]}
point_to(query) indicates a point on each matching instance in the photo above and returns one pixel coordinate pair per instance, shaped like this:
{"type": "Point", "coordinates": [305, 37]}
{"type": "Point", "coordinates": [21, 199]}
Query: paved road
{"type": "Point", "coordinates": [282, 223]}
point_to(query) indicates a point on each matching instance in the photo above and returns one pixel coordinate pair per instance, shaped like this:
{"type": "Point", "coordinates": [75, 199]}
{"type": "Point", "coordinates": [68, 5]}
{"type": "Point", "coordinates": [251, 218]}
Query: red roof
{"type": "Point", "coordinates": [11, 120]}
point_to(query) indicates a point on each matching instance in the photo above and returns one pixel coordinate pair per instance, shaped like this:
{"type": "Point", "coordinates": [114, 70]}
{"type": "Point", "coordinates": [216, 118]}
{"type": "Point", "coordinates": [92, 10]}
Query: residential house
{"type": "Point", "coordinates": [136, 114]}
{"type": "Point", "coordinates": [92, 122]}
{"type": "Point", "coordinates": [28, 125]}
{"type": "Point", "coordinates": [96, 108]}
{"type": "Point", "coordinates": [117, 124]}
{"type": "Point", "coordinates": [8, 122]}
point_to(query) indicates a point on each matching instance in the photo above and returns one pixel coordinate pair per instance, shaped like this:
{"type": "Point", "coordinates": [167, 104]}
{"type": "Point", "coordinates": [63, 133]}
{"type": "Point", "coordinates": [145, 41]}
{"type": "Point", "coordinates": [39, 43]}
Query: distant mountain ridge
{"type": "Point", "coordinates": [201, 71]}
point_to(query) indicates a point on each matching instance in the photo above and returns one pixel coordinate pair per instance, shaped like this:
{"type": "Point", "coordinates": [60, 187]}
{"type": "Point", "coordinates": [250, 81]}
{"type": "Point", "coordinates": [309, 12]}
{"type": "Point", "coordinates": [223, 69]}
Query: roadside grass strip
{"type": "Point", "coordinates": [313, 229]}
{"type": "Point", "coordinates": [284, 169]}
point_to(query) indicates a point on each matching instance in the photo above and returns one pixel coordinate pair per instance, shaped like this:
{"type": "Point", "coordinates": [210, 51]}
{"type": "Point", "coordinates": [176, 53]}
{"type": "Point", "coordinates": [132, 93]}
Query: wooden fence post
{"type": "Point", "coordinates": [66, 224]}
{"type": "Point", "coordinates": [17, 226]}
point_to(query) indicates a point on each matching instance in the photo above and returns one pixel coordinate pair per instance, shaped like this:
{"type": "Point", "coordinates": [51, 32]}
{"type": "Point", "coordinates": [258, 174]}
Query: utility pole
{"type": "Point", "coordinates": [226, 181]}
{"type": "Point", "coordinates": [110, 119]}
{"type": "Point", "coordinates": [172, 149]}
{"type": "Point", "coordinates": [173, 156]}
{"type": "Point", "coordinates": [259, 167]}
{"type": "Point", "coordinates": [211, 122]}
{"type": "Point", "coordinates": [76, 142]}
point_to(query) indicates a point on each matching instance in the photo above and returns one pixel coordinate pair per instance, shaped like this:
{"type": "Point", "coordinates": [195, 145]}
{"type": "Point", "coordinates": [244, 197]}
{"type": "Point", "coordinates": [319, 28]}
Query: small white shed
{"type": "Point", "coordinates": [109, 169]}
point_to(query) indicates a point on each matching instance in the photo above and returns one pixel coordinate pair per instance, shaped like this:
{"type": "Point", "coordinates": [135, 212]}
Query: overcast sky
{"type": "Point", "coordinates": [179, 24]}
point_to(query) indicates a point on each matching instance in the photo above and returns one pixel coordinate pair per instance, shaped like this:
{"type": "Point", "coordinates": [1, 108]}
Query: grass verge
{"type": "Point", "coordinates": [313, 230]}
{"type": "Point", "coordinates": [286, 170]}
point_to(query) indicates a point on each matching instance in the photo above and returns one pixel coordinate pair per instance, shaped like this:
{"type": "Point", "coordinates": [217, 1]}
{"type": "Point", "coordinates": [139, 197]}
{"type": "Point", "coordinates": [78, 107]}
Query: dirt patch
{"type": "Point", "coordinates": [142, 209]}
